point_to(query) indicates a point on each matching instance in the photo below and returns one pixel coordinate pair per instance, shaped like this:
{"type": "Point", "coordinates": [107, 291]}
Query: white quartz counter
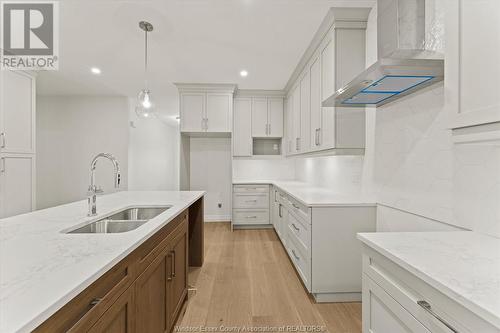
{"type": "Point", "coordinates": [314, 196]}
{"type": "Point", "coordinates": [463, 265]}
{"type": "Point", "coordinates": [41, 268]}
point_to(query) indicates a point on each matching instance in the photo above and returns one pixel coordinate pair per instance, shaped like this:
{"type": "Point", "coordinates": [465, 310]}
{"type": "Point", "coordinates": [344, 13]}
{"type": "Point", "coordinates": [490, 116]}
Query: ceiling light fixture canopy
{"type": "Point", "coordinates": [145, 107]}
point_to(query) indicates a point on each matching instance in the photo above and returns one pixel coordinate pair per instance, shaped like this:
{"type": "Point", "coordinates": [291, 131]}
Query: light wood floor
{"type": "Point", "coordinates": [248, 280]}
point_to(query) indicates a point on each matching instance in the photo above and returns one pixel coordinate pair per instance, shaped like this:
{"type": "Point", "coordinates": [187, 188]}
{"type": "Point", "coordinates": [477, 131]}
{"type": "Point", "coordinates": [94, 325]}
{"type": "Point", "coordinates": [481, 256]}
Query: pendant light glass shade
{"type": "Point", "coordinates": [144, 107]}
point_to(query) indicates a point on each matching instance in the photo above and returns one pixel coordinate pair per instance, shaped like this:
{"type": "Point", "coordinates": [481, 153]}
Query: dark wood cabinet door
{"type": "Point", "coordinates": [120, 316]}
{"type": "Point", "coordinates": [178, 283]}
{"type": "Point", "coordinates": [152, 294]}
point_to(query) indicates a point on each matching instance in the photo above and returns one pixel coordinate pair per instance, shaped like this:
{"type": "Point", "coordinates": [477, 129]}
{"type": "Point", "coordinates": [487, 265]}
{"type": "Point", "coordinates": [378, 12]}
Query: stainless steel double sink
{"type": "Point", "coordinates": [125, 220]}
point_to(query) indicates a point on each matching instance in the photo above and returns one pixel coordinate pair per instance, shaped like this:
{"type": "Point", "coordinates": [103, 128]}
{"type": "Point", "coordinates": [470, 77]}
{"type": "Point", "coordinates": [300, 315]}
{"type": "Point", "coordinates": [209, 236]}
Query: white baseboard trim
{"type": "Point", "coordinates": [217, 218]}
{"type": "Point", "coordinates": [337, 297]}
{"type": "Point", "coordinates": [252, 226]}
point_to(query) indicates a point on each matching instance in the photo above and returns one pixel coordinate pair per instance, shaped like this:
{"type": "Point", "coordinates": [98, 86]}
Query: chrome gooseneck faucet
{"type": "Point", "coordinates": [93, 189]}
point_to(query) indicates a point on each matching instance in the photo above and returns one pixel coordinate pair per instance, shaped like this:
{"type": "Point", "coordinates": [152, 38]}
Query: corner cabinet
{"type": "Point", "coordinates": [17, 143]}
{"type": "Point", "coordinates": [471, 79]}
{"type": "Point", "coordinates": [334, 61]}
{"type": "Point", "coordinates": [206, 108]}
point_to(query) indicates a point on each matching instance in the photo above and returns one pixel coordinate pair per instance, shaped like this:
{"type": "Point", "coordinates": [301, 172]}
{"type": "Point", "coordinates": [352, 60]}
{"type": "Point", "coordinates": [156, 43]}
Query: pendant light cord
{"type": "Point", "coordinates": [146, 58]}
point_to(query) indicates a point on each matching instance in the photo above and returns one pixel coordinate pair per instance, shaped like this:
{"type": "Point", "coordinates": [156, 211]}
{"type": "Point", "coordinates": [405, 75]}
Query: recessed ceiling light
{"type": "Point", "coordinates": [243, 73]}
{"type": "Point", "coordinates": [95, 70]}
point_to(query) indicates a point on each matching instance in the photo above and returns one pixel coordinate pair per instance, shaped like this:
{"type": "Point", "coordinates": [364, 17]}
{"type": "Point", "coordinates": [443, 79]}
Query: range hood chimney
{"type": "Point", "coordinates": [410, 37]}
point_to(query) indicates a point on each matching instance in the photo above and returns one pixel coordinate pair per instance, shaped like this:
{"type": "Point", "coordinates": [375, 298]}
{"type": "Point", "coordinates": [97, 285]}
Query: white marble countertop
{"type": "Point", "coordinates": [463, 265]}
{"type": "Point", "coordinates": [314, 196]}
{"type": "Point", "coordinates": [41, 269]}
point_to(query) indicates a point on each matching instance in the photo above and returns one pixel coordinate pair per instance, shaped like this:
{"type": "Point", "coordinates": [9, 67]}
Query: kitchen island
{"type": "Point", "coordinates": [47, 273]}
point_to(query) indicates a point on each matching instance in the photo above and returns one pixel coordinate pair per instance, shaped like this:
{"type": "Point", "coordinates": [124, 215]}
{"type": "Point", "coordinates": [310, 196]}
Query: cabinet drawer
{"type": "Point", "coordinates": [251, 200]}
{"type": "Point", "coordinates": [282, 198]}
{"type": "Point", "coordinates": [301, 232]}
{"type": "Point", "coordinates": [250, 217]}
{"type": "Point", "coordinates": [300, 260]}
{"type": "Point", "coordinates": [83, 311]}
{"type": "Point", "coordinates": [251, 188]}
{"type": "Point", "coordinates": [381, 313]}
{"type": "Point", "coordinates": [301, 210]}
{"type": "Point", "coordinates": [407, 290]}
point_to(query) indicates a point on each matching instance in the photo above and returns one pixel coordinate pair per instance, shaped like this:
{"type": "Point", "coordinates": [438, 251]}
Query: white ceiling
{"type": "Point", "coordinates": [203, 41]}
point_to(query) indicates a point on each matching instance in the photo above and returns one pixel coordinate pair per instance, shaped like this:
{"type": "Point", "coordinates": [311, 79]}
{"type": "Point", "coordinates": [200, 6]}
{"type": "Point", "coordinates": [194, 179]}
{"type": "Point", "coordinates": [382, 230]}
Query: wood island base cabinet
{"type": "Point", "coordinates": [144, 292]}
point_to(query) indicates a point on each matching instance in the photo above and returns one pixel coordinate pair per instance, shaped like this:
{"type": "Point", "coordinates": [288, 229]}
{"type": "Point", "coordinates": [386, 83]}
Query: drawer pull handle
{"type": "Point", "coordinates": [295, 255]}
{"type": "Point", "coordinates": [280, 214]}
{"type": "Point", "coordinates": [295, 227]}
{"type": "Point", "coordinates": [169, 278]}
{"type": "Point", "coordinates": [173, 263]}
{"type": "Point", "coordinates": [95, 301]}
{"type": "Point", "coordinates": [427, 307]}
{"type": "Point", "coordinates": [294, 205]}
{"type": "Point", "coordinates": [2, 135]}
{"type": "Point", "coordinates": [251, 217]}
{"type": "Point", "coordinates": [250, 200]}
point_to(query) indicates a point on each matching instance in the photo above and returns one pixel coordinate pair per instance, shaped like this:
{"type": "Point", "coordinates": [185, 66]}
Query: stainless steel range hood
{"type": "Point", "coordinates": [410, 51]}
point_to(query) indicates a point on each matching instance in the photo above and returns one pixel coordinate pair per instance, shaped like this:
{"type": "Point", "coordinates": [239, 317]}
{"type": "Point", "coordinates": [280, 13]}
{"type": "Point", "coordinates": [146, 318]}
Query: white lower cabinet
{"type": "Point", "coordinates": [395, 300]}
{"type": "Point", "coordinates": [321, 244]}
{"type": "Point", "coordinates": [251, 205]}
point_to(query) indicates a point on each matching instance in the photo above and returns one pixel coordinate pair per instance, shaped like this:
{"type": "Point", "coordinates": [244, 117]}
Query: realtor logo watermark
{"type": "Point", "coordinates": [30, 35]}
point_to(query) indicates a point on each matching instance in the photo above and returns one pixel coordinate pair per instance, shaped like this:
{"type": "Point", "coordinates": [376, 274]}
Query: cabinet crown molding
{"type": "Point", "coordinates": [259, 93]}
{"type": "Point", "coordinates": [206, 87]}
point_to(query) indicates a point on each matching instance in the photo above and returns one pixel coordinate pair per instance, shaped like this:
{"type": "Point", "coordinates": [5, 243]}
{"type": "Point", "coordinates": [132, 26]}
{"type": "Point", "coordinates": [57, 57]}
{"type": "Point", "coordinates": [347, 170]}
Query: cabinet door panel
{"type": "Point", "coordinates": [218, 112]}
{"type": "Point", "coordinates": [305, 112]}
{"type": "Point", "coordinates": [259, 117]}
{"type": "Point", "coordinates": [327, 69]}
{"type": "Point", "coordinates": [275, 107]}
{"type": "Point", "coordinates": [289, 139]}
{"type": "Point", "coordinates": [296, 119]}
{"type": "Point", "coordinates": [119, 318]}
{"type": "Point", "coordinates": [192, 112]}
{"type": "Point", "coordinates": [242, 129]}
{"type": "Point", "coordinates": [315, 104]}
{"type": "Point", "coordinates": [16, 107]}
{"type": "Point", "coordinates": [478, 103]}
{"type": "Point", "coordinates": [151, 308]}
{"type": "Point", "coordinates": [17, 184]}
{"type": "Point", "coordinates": [178, 284]}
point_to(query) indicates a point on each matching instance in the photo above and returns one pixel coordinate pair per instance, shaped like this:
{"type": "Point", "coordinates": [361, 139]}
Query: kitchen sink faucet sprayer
{"type": "Point", "coordinates": [93, 189]}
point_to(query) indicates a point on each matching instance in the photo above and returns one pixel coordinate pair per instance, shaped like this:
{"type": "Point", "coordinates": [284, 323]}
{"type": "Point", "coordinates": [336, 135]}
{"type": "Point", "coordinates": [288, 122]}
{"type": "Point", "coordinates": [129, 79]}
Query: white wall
{"type": "Point", "coordinates": [70, 131]}
{"type": "Point", "coordinates": [210, 170]}
{"type": "Point", "coordinates": [263, 169]}
{"type": "Point", "coordinates": [153, 154]}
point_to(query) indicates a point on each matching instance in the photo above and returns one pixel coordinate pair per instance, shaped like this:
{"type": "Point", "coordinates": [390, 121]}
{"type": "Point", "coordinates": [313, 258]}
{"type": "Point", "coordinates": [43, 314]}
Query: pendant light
{"type": "Point", "coordinates": [145, 107]}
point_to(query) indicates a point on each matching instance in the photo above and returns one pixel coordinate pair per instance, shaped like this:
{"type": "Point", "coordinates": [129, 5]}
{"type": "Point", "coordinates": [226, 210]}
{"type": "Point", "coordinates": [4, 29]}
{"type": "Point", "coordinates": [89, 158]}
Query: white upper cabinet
{"type": "Point", "coordinates": [17, 116]}
{"type": "Point", "coordinates": [275, 114]}
{"type": "Point", "coordinates": [242, 131]}
{"type": "Point", "coordinates": [305, 112]}
{"type": "Point", "coordinates": [259, 117]}
{"type": "Point", "coordinates": [315, 130]}
{"type": "Point", "coordinates": [334, 60]}
{"type": "Point", "coordinates": [206, 108]}
{"type": "Point", "coordinates": [296, 119]}
{"type": "Point", "coordinates": [219, 112]}
{"type": "Point", "coordinates": [267, 117]}
{"type": "Point", "coordinates": [192, 112]}
{"type": "Point", "coordinates": [472, 65]}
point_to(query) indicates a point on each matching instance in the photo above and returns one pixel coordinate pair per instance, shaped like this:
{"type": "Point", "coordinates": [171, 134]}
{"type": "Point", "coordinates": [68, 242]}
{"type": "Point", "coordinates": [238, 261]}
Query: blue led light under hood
{"type": "Point", "coordinates": [386, 87]}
